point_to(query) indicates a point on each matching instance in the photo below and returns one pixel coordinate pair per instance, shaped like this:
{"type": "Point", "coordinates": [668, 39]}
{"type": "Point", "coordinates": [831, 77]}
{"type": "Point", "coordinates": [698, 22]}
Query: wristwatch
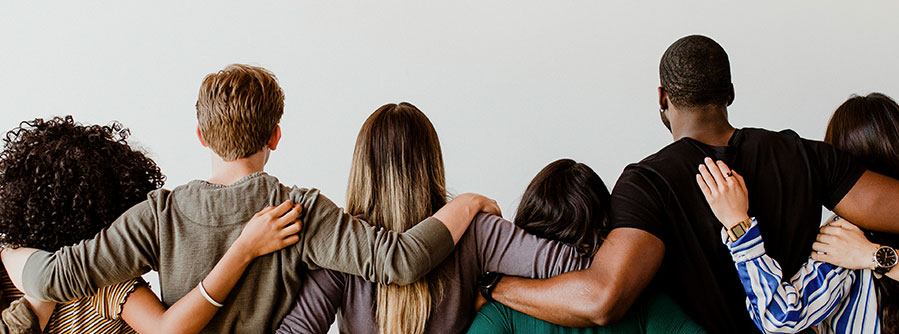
{"type": "Point", "coordinates": [487, 283]}
{"type": "Point", "coordinates": [738, 230]}
{"type": "Point", "coordinates": [885, 258]}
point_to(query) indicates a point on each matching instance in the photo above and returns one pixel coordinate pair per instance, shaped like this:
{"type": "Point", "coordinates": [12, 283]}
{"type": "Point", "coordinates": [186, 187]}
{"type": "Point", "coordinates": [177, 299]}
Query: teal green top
{"type": "Point", "coordinates": [658, 314]}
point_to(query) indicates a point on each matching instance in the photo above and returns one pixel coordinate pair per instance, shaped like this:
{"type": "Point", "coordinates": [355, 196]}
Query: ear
{"type": "Point", "coordinates": [663, 99]}
{"type": "Point", "coordinates": [200, 137]}
{"type": "Point", "coordinates": [276, 138]}
{"type": "Point", "coordinates": [730, 98]}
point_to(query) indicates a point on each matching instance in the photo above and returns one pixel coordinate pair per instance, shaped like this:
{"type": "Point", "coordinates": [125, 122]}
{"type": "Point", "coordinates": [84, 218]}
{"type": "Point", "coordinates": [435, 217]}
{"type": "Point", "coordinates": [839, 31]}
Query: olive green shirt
{"type": "Point", "coordinates": [183, 233]}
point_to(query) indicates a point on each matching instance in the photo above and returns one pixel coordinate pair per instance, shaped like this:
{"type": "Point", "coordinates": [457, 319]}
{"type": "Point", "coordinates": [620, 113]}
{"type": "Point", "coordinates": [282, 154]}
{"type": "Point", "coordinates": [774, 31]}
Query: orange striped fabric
{"type": "Point", "coordinates": [100, 313]}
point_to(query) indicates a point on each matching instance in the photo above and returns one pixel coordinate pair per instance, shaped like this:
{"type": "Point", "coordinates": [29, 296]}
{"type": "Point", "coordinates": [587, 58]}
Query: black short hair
{"type": "Point", "coordinates": [567, 202]}
{"type": "Point", "coordinates": [695, 71]}
{"type": "Point", "coordinates": [61, 182]}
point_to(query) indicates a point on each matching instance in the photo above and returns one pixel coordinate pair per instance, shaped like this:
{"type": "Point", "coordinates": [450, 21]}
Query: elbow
{"type": "Point", "coordinates": [405, 277]}
{"type": "Point", "coordinates": [605, 308]}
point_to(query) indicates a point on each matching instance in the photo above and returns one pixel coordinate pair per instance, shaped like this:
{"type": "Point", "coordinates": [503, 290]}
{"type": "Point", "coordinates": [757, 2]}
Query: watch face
{"type": "Point", "coordinates": [886, 257]}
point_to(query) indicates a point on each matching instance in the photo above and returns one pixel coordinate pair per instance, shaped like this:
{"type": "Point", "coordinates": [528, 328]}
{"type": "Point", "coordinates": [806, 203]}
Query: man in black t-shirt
{"type": "Point", "coordinates": [663, 228]}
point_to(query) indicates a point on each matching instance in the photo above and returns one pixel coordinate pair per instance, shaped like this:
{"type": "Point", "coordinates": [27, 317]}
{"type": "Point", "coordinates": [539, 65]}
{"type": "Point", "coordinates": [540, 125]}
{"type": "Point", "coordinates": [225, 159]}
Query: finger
{"type": "Point", "coordinates": [826, 238]}
{"type": "Point", "coordinates": [709, 180]}
{"type": "Point", "coordinates": [290, 240]}
{"type": "Point", "coordinates": [290, 229]}
{"type": "Point", "coordinates": [725, 170]}
{"type": "Point", "coordinates": [495, 208]}
{"type": "Point", "coordinates": [820, 257]}
{"type": "Point", "coordinates": [845, 224]}
{"type": "Point", "coordinates": [290, 216]}
{"type": "Point", "coordinates": [831, 230]}
{"type": "Point", "coordinates": [822, 247]}
{"type": "Point", "coordinates": [702, 186]}
{"type": "Point", "coordinates": [281, 209]}
{"type": "Point", "coordinates": [264, 211]}
{"type": "Point", "coordinates": [716, 173]}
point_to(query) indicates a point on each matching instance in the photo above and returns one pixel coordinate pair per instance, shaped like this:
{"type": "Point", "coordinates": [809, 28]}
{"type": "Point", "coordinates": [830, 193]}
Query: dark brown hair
{"type": "Point", "coordinates": [238, 109]}
{"type": "Point", "coordinates": [567, 202]}
{"type": "Point", "coordinates": [867, 127]}
{"type": "Point", "coordinates": [62, 182]}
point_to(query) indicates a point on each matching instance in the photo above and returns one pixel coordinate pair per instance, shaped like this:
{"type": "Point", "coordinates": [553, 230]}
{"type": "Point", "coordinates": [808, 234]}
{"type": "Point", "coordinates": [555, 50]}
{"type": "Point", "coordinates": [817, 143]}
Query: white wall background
{"type": "Point", "coordinates": [509, 85]}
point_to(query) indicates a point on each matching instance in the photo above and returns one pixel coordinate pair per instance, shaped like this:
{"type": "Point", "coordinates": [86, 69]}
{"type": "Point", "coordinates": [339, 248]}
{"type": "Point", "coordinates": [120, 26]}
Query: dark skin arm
{"type": "Point", "coordinates": [624, 265]}
{"type": "Point", "coordinates": [872, 203]}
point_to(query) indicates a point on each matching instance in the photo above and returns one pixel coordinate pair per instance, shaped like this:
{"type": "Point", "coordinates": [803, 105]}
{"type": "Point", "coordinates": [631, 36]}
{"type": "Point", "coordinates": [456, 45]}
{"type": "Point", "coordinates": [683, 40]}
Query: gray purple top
{"type": "Point", "coordinates": [491, 243]}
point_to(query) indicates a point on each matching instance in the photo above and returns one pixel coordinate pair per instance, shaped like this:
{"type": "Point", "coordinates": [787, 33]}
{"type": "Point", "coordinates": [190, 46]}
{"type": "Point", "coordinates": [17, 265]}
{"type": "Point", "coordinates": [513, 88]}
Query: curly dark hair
{"type": "Point", "coordinates": [62, 182]}
{"type": "Point", "coordinates": [695, 71]}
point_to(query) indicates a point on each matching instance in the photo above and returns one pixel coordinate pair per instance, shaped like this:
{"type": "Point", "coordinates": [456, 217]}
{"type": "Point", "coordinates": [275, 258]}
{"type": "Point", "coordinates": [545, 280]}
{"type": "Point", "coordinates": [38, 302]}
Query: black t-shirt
{"type": "Point", "coordinates": [789, 178]}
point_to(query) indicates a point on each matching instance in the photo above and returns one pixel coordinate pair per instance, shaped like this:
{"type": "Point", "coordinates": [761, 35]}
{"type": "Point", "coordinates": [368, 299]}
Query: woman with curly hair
{"type": "Point", "coordinates": [62, 182]}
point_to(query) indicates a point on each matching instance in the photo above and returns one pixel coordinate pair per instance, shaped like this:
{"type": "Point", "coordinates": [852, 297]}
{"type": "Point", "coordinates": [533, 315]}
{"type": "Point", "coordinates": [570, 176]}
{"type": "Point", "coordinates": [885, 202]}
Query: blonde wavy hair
{"type": "Point", "coordinates": [397, 179]}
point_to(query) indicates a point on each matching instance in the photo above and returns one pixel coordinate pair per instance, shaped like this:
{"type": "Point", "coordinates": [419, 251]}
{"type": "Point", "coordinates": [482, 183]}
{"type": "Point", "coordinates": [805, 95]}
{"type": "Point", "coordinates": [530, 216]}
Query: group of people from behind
{"type": "Point", "coordinates": [715, 233]}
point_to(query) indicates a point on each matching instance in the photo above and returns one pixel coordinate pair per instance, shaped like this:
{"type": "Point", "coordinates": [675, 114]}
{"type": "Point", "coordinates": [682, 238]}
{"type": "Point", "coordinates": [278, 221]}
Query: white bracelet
{"type": "Point", "coordinates": [206, 295]}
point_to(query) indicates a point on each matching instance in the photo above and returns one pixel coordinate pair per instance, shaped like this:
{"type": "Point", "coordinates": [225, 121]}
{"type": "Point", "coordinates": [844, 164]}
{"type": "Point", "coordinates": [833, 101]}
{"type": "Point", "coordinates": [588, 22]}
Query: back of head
{"type": "Point", "coordinates": [397, 179]}
{"type": "Point", "coordinates": [61, 182]}
{"type": "Point", "coordinates": [695, 71]}
{"type": "Point", "coordinates": [238, 109]}
{"type": "Point", "coordinates": [567, 202]}
{"type": "Point", "coordinates": [867, 127]}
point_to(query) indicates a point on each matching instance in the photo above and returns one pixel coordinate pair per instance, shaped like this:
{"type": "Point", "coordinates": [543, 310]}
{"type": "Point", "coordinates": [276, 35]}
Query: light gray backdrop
{"type": "Point", "coordinates": [509, 85]}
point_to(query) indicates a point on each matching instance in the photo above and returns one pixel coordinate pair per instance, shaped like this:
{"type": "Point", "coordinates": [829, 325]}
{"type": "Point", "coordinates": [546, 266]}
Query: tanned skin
{"type": "Point", "coordinates": [629, 258]}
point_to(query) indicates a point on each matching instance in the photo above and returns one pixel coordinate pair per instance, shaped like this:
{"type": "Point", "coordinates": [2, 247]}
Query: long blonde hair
{"type": "Point", "coordinates": [396, 180]}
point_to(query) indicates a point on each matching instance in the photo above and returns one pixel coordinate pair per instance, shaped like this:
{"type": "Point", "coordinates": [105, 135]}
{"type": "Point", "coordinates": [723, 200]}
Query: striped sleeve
{"type": "Point", "coordinates": [108, 301]}
{"type": "Point", "coordinates": [810, 297]}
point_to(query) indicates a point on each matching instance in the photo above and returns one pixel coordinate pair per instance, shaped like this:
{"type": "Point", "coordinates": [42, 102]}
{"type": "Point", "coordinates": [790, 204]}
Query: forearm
{"type": "Point", "coordinates": [333, 239]}
{"type": "Point", "coordinates": [43, 310]}
{"type": "Point", "coordinates": [625, 263]}
{"type": "Point", "coordinates": [806, 300]}
{"type": "Point", "coordinates": [191, 313]}
{"type": "Point", "coordinates": [562, 300]}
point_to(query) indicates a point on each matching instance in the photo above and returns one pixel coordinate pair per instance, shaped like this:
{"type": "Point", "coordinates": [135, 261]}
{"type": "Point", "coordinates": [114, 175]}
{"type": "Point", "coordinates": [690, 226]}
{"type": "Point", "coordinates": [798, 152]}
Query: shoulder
{"type": "Point", "coordinates": [109, 300]}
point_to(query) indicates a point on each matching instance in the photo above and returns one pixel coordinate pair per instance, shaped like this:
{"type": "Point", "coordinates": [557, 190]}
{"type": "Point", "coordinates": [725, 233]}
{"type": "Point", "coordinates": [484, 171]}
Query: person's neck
{"type": "Point", "coordinates": [228, 172]}
{"type": "Point", "coordinates": [708, 125]}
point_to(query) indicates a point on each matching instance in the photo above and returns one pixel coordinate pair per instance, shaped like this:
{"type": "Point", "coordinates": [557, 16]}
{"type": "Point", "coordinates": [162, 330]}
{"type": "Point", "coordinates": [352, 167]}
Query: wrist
{"type": "Point", "coordinates": [241, 251]}
{"type": "Point", "coordinates": [734, 220]}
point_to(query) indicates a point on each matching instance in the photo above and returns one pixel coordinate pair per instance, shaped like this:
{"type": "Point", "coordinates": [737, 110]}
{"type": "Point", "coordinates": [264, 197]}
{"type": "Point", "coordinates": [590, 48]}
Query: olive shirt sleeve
{"type": "Point", "coordinates": [506, 248]}
{"type": "Point", "coordinates": [333, 239]}
{"type": "Point", "coordinates": [124, 250]}
{"type": "Point", "coordinates": [18, 318]}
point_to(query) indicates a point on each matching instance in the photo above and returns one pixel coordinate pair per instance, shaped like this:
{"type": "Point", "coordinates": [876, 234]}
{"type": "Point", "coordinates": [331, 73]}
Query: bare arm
{"type": "Point", "coordinates": [872, 203]}
{"type": "Point", "coordinates": [269, 230]}
{"type": "Point", "coordinates": [624, 265]}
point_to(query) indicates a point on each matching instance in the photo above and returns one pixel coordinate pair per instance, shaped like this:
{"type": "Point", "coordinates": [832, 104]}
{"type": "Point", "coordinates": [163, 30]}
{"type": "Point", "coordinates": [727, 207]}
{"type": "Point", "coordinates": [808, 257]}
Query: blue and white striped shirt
{"type": "Point", "coordinates": [836, 299]}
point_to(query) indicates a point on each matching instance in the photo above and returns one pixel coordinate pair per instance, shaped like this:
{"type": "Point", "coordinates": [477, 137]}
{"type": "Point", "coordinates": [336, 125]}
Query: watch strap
{"type": "Point", "coordinates": [487, 283]}
{"type": "Point", "coordinates": [738, 230]}
{"type": "Point", "coordinates": [880, 268]}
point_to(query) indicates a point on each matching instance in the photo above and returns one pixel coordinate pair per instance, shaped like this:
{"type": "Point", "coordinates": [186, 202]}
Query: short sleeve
{"type": "Point", "coordinates": [109, 300]}
{"type": "Point", "coordinates": [834, 171]}
{"type": "Point", "coordinates": [638, 202]}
